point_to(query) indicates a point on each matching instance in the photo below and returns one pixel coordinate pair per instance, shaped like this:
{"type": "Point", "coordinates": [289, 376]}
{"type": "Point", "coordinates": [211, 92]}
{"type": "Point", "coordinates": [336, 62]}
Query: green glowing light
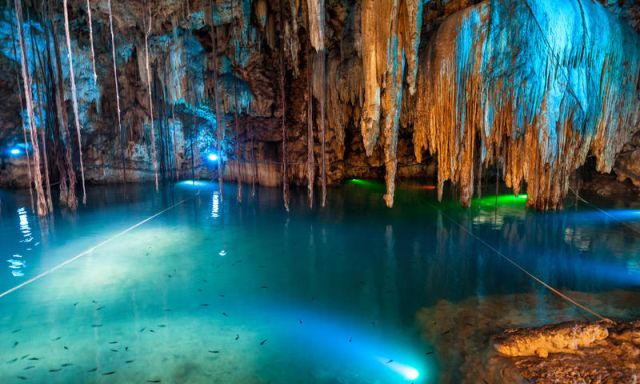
{"type": "Point", "coordinates": [502, 200]}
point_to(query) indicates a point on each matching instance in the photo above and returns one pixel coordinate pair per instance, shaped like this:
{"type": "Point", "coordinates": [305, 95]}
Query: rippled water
{"type": "Point", "coordinates": [214, 291]}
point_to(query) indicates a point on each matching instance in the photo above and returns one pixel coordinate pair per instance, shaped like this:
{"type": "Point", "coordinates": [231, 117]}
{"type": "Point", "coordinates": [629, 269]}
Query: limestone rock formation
{"type": "Point", "coordinates": [531, 88]}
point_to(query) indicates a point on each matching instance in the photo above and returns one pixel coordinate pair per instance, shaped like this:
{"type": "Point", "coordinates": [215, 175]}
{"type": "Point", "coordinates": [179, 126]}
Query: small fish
{"type": "Point", "coordinates": [349, 339]}
{"type": "Point", "coordinates": [221, 295]}
{"type": "Point", "coordinates": [21, 377]}
{"type": "Point", "coordinates": [113, 342]}
{"type": "Point", "coordinates": [34, 358]}
{"type": "Point", "coordinates": [264, 287]}
{"type": "Point", "coordinates": [153, 381]}
{"type": "Point", "coordinates": [94, 302]}
{"type": "Point", "coordinates": [204, 280]}
{"type": "Point", "coordinates": [12, 360]}
{"type": "Point", "coordinates": [66, 365]}
{"type": "Point", "coordinates": [162, 325]}
{"type": "Point", "coordinates": [225, 314]}
{"type": "Point", "coordinates": [15, 343]}
{"type": "Point", "coordinates": [428, 353]}
{"type": "Point", "coordinates": [57, 338]}
{"type": "Point", "coordinates": [390, 361]}
{"type": "Point", "coordinates": [25, 356]}
{"type": "Point", "coordinates": [126, 348]}
{"type": "Point", "coordinates": [214, 351]}
{"type": "Point", "coordinates": [373, 323]}
{"type": "Point", "coordinates": [152, 331]}
{"type": "Point", "coordinates": [16, 330]}
{"type": "Point", "coordinates": [129, 361]}
{"type": "Point", "coordinates": [108, 373]}
{"type": "Point", "coordinates": [263, 341]}
{"type": "Point", "coordinates": [237, 337]}
{"type": "Point", "coordinates": [75, 304]}
{"type": "Point", "coordinates": [142, 329]}
{"type": "Point", "coordinates": [114, 350]}
{"type": "Point", "coordinates": [169, 276]}
{"type": "Point", "coordinates": [55, 370]}
{"type": "Point", "coordinates": [29, 367]}
{"type": "Point", "coordinates": [92, 370]}
{"type": "Point", "coordinates": [100, 308]}
{"type": "Point", "coordinates": [446, 332]}
{"type": "Point", "coordinates": [65, 347]}
{"type": "Point", "coordinates": [204, 305]}
{"type": "Point", "coordinates": [96, 325]}
{"type": "Point", "coordinates": [168, 310]}
{"type": "Point", "coordinates": [300, 321]}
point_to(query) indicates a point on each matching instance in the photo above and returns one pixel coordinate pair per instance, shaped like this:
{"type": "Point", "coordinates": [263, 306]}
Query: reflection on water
{"type": "Point", "coordinates": [17, 262]}
{"type": "Point", "coordinates": [219, 291]}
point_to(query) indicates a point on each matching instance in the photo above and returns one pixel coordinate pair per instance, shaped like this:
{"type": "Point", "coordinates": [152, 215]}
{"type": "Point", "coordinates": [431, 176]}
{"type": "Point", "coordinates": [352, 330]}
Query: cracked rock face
{"type": "Point", "coordinates": [411, 86]}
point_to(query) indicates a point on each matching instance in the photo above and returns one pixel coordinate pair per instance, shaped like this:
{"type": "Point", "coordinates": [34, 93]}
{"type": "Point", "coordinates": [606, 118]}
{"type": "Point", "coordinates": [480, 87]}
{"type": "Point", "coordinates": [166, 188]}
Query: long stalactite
{"type": "Point", "coordinates": [154, 159]}
{"type": "Point", "coordinates": [41, 204]}
{"type": "Point", "coordinates": [74, 99]}
{"type": "Point", "coordinates": [120, 132]}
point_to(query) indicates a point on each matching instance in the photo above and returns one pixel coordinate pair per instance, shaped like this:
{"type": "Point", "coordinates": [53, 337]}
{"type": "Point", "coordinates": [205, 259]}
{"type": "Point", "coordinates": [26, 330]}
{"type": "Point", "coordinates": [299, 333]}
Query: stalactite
{"type": "Point", "coordinates": [93, 55]}
{"type": "Point", "coordinates": [153, 133]}
{"type": "Point", "coordinates": [41, 204]}
{"type": "Point", "coordinates": [317, 33]}
{"type": "Point", "coordinates": [311, 163]}
{"type": "Point", "coordinates": [120, 132]}
{"type": "Point", "coordinates": [322, 59]}
{"type": "Point", "coordinates": [69, 199]}
{"type": "Point", "coordinates": [283, 99]}
{"type": "Point", "coordinates": [390, 36]}
{"type": "Point", "coordinates": [74, 98]}
{"type": "Point", "coordinates": [220, 124]}
{"type": "Point", "coordinates": [238, 159]}
{"type": "Point", "coordinates": [235, 118]}
{"type": "Point", "coordinates": [42, 121]}
{"type": "Point", "coordinates": [539, 102]}
{"type": "Point", "coordinates": [22, 122]}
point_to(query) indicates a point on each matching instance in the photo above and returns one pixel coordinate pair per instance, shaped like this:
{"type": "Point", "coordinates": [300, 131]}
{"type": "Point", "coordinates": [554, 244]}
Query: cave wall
{"type": "Point", "coordinates": [411, 88]}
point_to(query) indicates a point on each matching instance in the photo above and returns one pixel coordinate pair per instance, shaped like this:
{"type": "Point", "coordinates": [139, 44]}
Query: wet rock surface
{"type": "Point", "coordinates": [465, 334]}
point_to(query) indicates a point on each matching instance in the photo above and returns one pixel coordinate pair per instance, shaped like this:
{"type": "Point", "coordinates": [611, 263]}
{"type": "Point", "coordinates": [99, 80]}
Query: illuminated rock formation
{"type": "Point", "coordinates": [372, 88]}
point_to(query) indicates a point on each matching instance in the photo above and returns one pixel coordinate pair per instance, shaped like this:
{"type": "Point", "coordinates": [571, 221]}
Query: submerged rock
{"type": "Point", "coordinates": [602, 352]}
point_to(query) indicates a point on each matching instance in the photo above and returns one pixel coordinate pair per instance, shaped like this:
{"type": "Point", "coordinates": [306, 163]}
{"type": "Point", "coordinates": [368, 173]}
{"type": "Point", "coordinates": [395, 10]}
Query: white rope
{"type": "Point", "coordinates": [90, 250]}
{"type": "Point", "coordinates": [515, 264]}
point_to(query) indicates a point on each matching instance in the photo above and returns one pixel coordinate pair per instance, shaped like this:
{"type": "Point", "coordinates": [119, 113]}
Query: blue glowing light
{"type": "Point", "coordinates": [406, 371]}
{"type": "Point", "coordinates": [212, 157]}
{"type": "Point", "coordinates": [193, 183]}
{"type": "Point", "coordinates": [15, 151]}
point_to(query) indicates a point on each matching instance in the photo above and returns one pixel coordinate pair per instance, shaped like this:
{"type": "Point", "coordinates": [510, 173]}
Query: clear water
{"type": "Point", "coordinates": [214, 291]}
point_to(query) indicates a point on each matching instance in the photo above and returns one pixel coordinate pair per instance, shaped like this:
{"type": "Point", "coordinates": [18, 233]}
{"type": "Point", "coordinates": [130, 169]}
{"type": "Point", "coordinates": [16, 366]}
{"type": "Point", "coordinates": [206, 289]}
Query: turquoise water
{"type": "Point", "coordinates": [214, 291]}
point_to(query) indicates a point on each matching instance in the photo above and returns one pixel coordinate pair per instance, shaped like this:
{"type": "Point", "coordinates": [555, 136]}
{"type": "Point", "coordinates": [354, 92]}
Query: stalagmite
{"type": "Point", "coordinates": [41, 204]}
{"type": "Point", "coordinates": [153, 133]}
{"type": "Point", "coordinates": [74, 97]}
{"type": "Point", "coordinates": [120, 133]}
{"type": "Point", "coordinates": [93, 55]}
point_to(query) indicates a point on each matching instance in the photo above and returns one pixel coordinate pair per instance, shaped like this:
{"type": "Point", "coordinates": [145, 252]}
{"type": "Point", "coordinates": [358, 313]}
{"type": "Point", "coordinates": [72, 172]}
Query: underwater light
{"type": "Point", "coordinates": [15, 152]}
{"type": "Point", "coordinates": [406, 371]}
{"type": "Point", "coordinates": [212, 157]}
